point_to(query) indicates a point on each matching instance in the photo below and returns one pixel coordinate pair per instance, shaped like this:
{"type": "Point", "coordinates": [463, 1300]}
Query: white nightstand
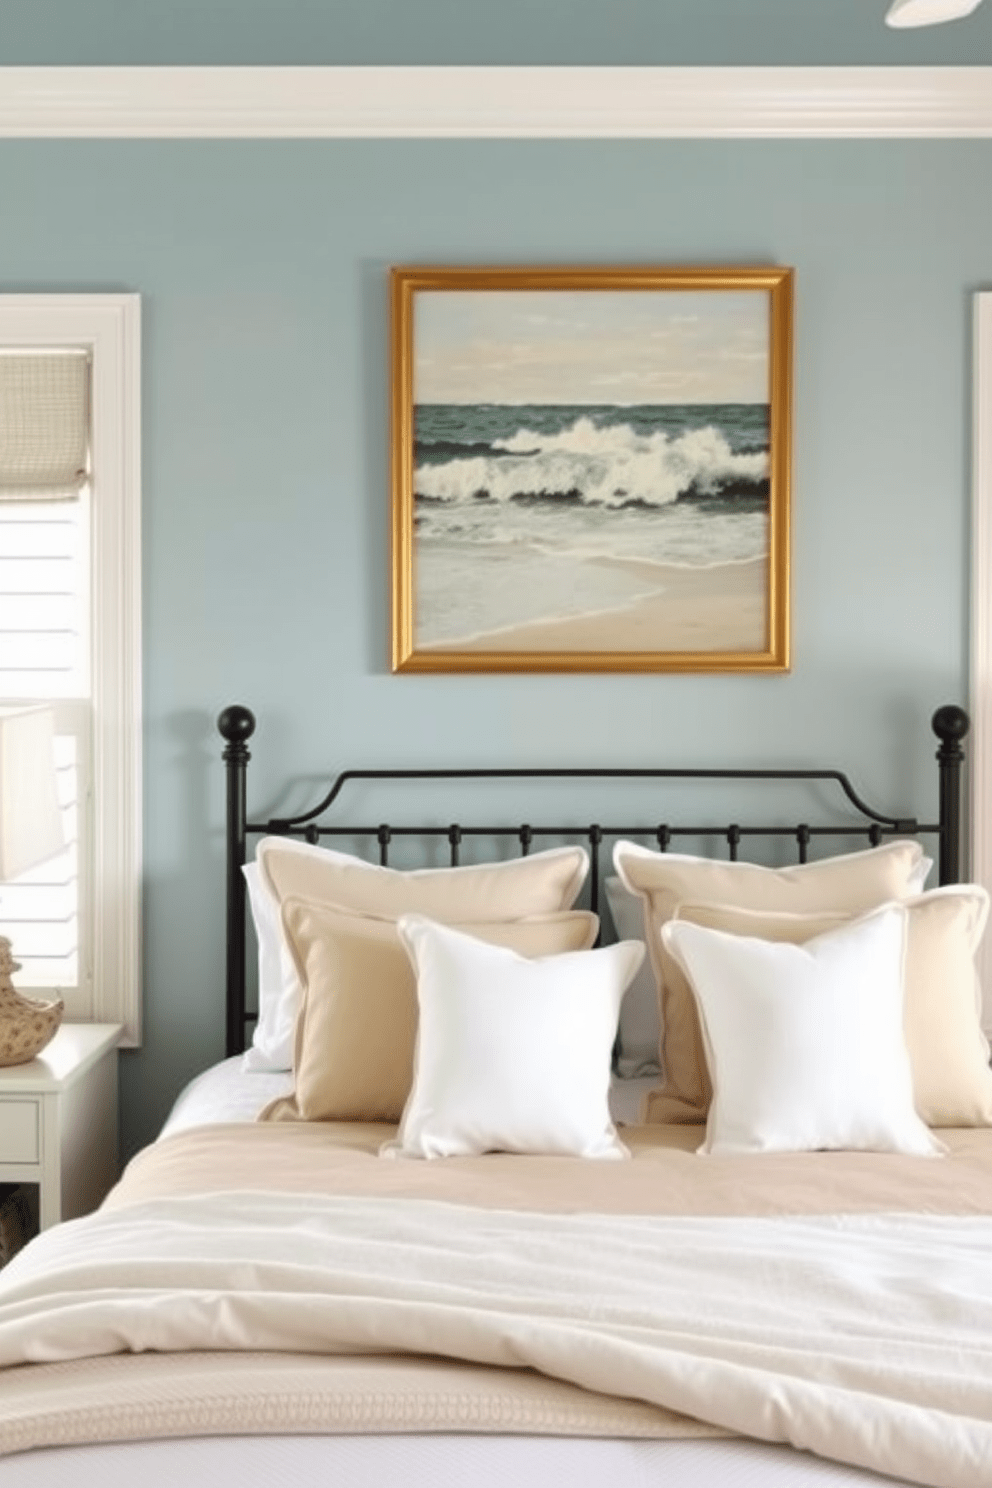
{"type": "Point", "coordinates": [58, 1120]}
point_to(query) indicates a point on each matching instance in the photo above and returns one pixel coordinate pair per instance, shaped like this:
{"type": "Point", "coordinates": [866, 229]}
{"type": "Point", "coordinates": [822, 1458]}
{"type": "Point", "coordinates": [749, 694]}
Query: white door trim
{"type": "Point", "coordinates": [980, 744]}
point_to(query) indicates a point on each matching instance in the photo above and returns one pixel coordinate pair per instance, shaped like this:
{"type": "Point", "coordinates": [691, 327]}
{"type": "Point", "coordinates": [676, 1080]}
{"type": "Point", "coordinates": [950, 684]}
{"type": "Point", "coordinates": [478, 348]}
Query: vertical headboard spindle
{"type": "Point", "coordinates": [384, 837]}
{"type": "Point", "coordinates": [950, 724]}
{"type": "Point", "coordinates": [595, 842]}
{"type": "Point", "coordinates": [236, 725]}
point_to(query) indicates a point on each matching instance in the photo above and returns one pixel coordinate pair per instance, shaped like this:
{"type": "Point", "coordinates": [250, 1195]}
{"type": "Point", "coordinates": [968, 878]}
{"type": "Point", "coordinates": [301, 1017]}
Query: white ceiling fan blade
{"type": "Point", "coordinates": [928, 12]}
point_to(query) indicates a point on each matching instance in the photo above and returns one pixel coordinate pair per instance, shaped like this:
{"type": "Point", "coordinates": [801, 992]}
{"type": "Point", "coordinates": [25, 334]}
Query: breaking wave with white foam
{"type": "Point", "coordinates": [593, 464]}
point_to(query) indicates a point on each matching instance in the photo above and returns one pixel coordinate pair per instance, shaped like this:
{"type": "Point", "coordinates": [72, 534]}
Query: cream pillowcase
{"type": "Point", "coordinates": [513, 1055]}
{"type": "Point", "coordinates": [804, 1042]}
{"type": "Point", "coordinates": [849, 884]}
{"type": "Point", "coordinates": [355, 1035]}
{"type": "Point", "coordinates": [948, 1052]}
{"type": "Point", "coordinates": [542, 883]}
{"type": "Point", "coordinates": [639, 1034]}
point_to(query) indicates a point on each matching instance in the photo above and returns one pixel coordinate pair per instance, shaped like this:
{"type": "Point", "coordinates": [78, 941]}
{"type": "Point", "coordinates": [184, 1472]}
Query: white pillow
{"type": "Point", "coordinates": [271, 1047]}
{"type": "Point", "coordinates": [805, 1043]}
{"type": "Point", "coordinates": [513, 1054]}
{"type": "Point", "coordinates": [640, 1026]}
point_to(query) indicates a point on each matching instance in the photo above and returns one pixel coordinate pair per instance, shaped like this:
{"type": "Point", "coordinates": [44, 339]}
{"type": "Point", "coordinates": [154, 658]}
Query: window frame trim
{"type": "Point", "coordinates": [110, 326]}
{"type": "Point", "coordinates": [981, 621]}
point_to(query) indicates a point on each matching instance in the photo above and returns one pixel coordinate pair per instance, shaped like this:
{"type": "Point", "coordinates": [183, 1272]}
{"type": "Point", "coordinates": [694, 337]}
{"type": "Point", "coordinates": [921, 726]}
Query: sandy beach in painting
{"type": "Point", "coordinates": [684, 609]}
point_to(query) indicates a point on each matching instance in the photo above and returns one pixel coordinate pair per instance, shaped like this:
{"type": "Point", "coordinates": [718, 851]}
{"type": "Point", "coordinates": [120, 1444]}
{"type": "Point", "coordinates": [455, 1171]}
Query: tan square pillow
{"type": "Point", "coordinates": [948, 1052]}
{"type": "Point", "coordinates": [542, 883]}
{"type": "Point", "coordinates": [847, 884]}
{"type": "Point", "coordinates": [357, 1027]}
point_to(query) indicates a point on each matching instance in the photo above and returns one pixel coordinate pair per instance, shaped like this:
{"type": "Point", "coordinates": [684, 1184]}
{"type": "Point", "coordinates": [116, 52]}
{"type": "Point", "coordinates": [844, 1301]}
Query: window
{"type": "Point", "coordinates": [70, 636]}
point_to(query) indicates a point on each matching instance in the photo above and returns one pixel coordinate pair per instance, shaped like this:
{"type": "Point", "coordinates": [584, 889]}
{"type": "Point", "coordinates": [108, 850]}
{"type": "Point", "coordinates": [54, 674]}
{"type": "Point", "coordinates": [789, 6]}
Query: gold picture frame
{"type": "Point", "coordinates": [591, 469]}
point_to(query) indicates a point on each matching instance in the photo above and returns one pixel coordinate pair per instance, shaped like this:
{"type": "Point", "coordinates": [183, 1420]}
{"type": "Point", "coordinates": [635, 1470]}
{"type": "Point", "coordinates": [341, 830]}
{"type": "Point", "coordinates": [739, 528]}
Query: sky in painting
{"type": "Point", "coordinates": [591, 346]}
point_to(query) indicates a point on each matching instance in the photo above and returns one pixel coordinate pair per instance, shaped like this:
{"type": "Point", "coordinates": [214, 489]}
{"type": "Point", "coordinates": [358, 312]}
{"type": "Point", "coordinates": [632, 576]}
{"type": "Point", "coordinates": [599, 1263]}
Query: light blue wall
{"type": "Point", "coordinates": [826, 33]}
{"type": "Point", "coordinates": [262, 268]}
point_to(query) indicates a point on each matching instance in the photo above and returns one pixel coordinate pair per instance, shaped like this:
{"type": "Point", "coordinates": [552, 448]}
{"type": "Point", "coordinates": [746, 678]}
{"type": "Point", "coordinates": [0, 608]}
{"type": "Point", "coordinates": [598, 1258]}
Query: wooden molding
{"type": "Point", "coordinates": [494, 102]}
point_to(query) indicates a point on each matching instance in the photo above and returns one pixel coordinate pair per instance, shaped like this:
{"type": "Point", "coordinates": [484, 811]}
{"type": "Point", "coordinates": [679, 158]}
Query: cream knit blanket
{"type": "Point", "coordinates": [867, 1339]}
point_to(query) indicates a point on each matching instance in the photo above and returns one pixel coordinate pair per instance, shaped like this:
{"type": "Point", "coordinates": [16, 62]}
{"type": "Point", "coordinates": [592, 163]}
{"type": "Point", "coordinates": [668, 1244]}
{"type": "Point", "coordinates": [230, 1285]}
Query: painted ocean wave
{"type": "Point", "coordinates": [669, 484]}
{"type": "Point", "coordinates": [613, 465]}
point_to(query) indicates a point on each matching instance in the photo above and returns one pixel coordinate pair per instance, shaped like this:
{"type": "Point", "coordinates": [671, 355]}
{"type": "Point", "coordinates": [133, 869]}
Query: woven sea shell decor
{"type": "Point", "coordinates": [26, 1026]}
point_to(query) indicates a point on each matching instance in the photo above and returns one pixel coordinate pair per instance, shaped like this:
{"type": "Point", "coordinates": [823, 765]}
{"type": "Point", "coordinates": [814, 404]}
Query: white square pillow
{"type": "Point", "coordinates": [541, 883]}
{"type": "Point", "coordinates": [513, 1055]}
{"type": "Point", "coordinates": [942, 1002]}
{"type": "Point", "coordinates": [805, 1043]}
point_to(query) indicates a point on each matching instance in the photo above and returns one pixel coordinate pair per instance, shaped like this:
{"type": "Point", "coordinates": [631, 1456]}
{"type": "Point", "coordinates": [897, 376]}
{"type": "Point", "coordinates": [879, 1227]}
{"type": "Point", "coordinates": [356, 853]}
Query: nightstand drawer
{"type": "Point", "coordinates": [19, 1128]}
{"type": "Point", "coordinates": [58, 1121]}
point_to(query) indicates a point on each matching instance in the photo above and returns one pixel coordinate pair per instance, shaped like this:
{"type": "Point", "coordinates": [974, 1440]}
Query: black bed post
{"type": "Point", "coordinates": [236, 725]}
{"type": "Point", "coordinates": [950, 724]}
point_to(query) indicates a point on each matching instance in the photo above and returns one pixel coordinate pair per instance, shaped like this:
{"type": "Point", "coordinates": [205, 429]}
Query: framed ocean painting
{"type": "Point", "coordinates": [591, 469]}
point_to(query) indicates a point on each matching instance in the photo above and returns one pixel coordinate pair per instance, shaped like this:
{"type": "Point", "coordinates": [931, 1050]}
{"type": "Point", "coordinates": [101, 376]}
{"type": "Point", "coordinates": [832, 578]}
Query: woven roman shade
{"type": "Point", "coordinates": [44, 424]}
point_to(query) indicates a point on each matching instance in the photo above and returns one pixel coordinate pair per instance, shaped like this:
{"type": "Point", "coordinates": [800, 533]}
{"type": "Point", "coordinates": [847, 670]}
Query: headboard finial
{"type": "Point", "coordinates": [950, 723]}
{"type": "Point", "coordinates": [236, 724]}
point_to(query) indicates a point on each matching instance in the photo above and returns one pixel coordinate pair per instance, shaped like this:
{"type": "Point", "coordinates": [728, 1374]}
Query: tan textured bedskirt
{"type": "Point", "coordinates": [129, 1397]}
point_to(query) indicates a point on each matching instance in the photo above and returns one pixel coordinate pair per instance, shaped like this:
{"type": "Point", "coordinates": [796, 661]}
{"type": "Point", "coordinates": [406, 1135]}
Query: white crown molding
{"type": "Point", "coordinates": [980, 750]}
{"type": "Point", "coordinates": [494, 102]}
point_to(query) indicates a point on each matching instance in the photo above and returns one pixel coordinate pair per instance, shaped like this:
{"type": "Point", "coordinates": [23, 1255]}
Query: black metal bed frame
{"type": "Point", "coordinates": [237, 724]}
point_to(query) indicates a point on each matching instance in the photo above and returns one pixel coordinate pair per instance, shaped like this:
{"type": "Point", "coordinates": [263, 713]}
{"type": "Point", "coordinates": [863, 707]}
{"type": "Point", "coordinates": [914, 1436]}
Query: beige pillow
{"type": "Point", "coordinates": [948, 1052]}
{"type": "Point", "coordinates": [542, 883]}
{"type": "Point", "coordinates": [848, 884]}
{"type": "Point", "coordinates": [357, 1027]}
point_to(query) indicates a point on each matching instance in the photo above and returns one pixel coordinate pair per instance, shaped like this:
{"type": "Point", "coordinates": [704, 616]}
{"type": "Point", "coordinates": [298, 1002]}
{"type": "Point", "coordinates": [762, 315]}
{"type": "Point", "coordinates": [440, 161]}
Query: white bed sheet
{"type": "Point", "coordinates": [228, 1092]}
{"type": "Point", "coordinates": [225, 1092]}
{"type": "Point", "coordinates": [431, 1462]}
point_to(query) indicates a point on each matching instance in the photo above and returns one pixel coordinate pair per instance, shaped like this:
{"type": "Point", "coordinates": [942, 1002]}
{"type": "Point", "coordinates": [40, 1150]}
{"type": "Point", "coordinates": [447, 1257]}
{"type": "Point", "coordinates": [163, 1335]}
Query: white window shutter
{"type": "Point", "coordinates": [44, 599]}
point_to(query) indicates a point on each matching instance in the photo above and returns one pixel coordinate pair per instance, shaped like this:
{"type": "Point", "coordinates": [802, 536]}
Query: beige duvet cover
{"type": "Point", "coordinates": [664, 1174]}
{"type": "Point", "coordinates": [284, 1279]}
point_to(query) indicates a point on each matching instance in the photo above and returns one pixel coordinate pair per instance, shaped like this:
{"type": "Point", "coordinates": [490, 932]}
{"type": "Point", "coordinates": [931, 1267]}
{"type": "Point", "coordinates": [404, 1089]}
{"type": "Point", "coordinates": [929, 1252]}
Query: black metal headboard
{"type": "Point", "coordinates": [237, 724]}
